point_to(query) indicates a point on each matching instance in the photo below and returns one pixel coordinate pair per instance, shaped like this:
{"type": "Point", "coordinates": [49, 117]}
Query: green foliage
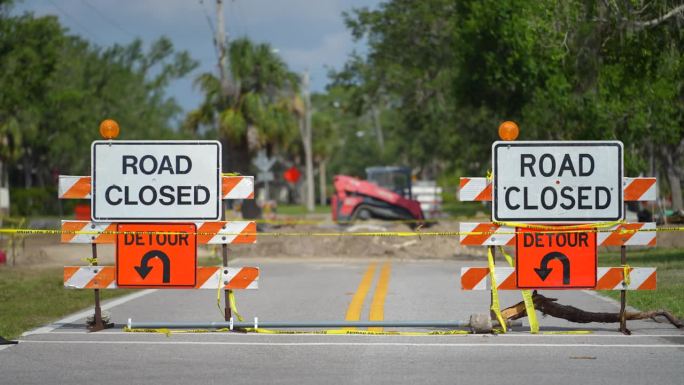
{"type": "Point", "coordinates": [34, 201]}
{"type": "Point", "coordinates": [450, 72]}
{"type": "Point", "coordinates": [670, 268]}
{"type": "Point", "coordinates": [58, 87]}
{"type": "Point", "coordinates": [255, 111]}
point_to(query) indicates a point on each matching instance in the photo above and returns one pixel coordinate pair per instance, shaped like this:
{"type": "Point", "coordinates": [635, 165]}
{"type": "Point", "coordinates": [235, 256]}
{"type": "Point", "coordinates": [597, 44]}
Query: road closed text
{"type": "Point", "coordinates": [148, 195]}
{"type": "Point", "coordinates": [549, 197]}
{"type": "Point", "coordinates": [145, 181]}
{"type": "Point", "coordinates": [557, 181]}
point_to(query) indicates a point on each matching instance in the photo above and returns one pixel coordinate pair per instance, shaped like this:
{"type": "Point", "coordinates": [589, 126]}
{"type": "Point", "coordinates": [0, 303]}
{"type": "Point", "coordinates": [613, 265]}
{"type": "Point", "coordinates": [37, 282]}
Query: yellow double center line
{"type": "Point", "coordinates": [377, 307]}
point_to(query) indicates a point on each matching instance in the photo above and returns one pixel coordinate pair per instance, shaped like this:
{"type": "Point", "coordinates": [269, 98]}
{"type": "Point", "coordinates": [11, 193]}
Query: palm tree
{"type": "Point", "coordinates": [258, 111]}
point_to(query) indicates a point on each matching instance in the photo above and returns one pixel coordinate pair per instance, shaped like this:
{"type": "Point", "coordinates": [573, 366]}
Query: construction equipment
{"type": "Point", "coordinates": [386, 194]}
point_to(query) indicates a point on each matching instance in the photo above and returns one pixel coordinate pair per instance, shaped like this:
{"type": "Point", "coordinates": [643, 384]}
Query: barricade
{"type": "Point", "coordinates": [156, 240]}
{"type": "Point", "coordinates": [538, 195]}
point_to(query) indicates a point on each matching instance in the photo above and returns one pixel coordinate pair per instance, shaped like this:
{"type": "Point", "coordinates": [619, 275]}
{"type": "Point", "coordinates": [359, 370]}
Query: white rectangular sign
{"type": "Point", "coordinates": [557, 182]}
{"type": "Point", "coordinates": [144, 181]}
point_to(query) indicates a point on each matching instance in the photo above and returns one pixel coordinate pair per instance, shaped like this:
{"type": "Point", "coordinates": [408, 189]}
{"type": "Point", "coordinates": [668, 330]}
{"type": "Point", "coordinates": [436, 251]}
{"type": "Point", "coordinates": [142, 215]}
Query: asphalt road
{"type": "Point", "coordinates": [331, 290]}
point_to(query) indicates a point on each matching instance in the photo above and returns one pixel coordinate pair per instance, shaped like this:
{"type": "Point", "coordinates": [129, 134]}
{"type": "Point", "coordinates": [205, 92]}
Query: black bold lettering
{"type": "Point", "coordinates": [129, 161]}
{"type": "Point", "coordinates": [526, 205]}
{"type": "Point", "coordinates": [139, 239]}
{"type": "Point", "coordinates": [183, 192]}
{"type": "Point", "coordinates": [166, 192]}
{"type": "Point", "coordinates": [583, 239]}
{"type": "Point", "coordinates": [188, 164]}
{"type": "Point", "coordinates": [590, 164]}
{"type": "Point", "coordinates": [537, 240]}
{"type": "Point", "coordinates": [527, 161]}
{"type": "Point", "coordinates": [554, 195]}
{"type": "Point", "coordinates": [128, 239]}
{"type": "Point", "coordinates": [564, 193]}
{"type": "Point", "coordinates": [206, 195]}
{"type": "Point", "coordinates": [108, 198]}
{"type": "Point", "coordinates": [581, 197]}
{"type": "Point", "coordinates": [598, 197]}
{"type": "Point", "coordinates": [152, 163]}
{"type": "Point", "coordinates": [561, 240]}
{"type": "Point", "coordinates": [541, 164]}
{"type": "Point", "coordinates": [127, 197]}
{"type": "Point", "coordinates": [566, 165]}
{"type": "Point", "coordinates": [141, 195]}
{"type": "Point", "coordinates": [161, 239]}
{"type": "Point", "coordinates": [165, 165]}
{"type": "Point", "coordinates": [507, 197]}
{"type": "Point", "coordinates": [528, 239]}
{"type": "Point", "coordinates": [183, 239]}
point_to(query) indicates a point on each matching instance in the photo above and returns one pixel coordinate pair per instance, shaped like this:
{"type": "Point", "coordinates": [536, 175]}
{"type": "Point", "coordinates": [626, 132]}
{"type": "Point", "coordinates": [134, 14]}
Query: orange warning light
{"type": "Point", "coordinates": [508, 130]}
{"type": "Point", "coordinates": [109, 129]}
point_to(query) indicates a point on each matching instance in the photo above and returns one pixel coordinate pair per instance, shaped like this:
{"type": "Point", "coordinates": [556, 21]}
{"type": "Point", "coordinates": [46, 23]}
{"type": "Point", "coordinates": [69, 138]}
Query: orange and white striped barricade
{"type": "Point", "coordinates": [480, 189]}
{"type": "Point", "coordinates": [208, 277]}
{"type": "Point", "coordinates": [208, 233]}
{"type": "Point", "coordinates": [493, 234]}
{"type": "Point", "coordinates": [232, 187]}
{"type": "Point", "coordinates": [609, 278]}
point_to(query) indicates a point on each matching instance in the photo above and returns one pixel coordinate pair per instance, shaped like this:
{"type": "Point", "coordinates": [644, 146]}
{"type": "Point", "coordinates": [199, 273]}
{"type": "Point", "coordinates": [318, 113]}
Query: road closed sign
{"type": "Point", "coordinates": [555, 259]}
{"type": "Point", "coordinates": [557, 182]}
{"type": "Point", "coordinates": [138, 181]}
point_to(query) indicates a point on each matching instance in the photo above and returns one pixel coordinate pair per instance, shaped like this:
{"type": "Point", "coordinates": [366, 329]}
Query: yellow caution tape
{"type": "Point", "coordinates": [584, 226]}
{"type": "Point", "coordinates": [233, 305]}
{"type": "Point", "coordinates": [625, 274]}
{"type": "Point", "coordinates": [496, 308]}
{"type": "Point", "coordinates": [419, 234]}
{"type": "Point", "coordinates": [527, 298]}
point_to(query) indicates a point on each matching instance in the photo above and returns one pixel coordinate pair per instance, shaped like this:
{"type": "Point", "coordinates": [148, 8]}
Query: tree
{"type": "Point", "coordinates": [58, 87]}
{"type": "Point", "coordinates": [258, 114]}
{"type": "Point", "coordinates": [564, 70]}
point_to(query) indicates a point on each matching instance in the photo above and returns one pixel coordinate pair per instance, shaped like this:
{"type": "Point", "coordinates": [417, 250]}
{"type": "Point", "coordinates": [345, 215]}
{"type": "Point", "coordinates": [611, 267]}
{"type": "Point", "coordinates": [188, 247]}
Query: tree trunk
{"type": "Point", "coordinates": [672, 157]}
{"type": "Point", "coordinates": [548, 306]}
{"type": "Point", "coordinates": [322, 181]}
{"type": "Point", "coordinates": [28, 166]}
{"type": "Point", "coordinates": [675, 188]}
{"type": "Point", "coordinates": [305, 130]}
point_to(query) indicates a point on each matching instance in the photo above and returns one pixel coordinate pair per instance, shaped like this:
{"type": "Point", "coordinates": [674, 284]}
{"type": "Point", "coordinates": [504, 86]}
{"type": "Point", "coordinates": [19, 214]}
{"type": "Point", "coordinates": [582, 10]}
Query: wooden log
{"type": "Point", "coordinates": [549, 306]}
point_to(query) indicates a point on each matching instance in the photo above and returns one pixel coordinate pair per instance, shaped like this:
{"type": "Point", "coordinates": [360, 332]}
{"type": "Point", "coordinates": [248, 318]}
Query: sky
{"type": "Point", "coordinates": [308, 34]}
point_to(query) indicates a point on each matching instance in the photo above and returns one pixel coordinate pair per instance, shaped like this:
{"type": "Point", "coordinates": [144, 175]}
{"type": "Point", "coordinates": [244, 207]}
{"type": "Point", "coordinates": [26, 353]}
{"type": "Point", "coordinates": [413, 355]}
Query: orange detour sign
{"type": "Point", "coordinates": [166, 258]}
{"type": "Point", "coordinates": [547, 260]}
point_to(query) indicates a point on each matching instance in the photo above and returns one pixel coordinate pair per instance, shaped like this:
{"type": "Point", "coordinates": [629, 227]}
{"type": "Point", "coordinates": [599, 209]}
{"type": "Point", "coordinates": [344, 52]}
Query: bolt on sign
{"type": "Point", "coordinates": [145, 181]}
{"type": "Point", "coordinates": [555, 260]}
{"type": "Point", "coordinates": [156, 255]}
{"type": "Point", "coordinates": [557, 182]}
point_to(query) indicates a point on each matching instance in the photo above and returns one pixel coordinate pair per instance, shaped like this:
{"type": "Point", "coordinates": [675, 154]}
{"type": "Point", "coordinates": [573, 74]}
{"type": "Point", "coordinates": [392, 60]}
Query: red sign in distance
{"type": "Point", "coordinates": [156, 255]}
{"type": "Point", "coordinates": [555, 260]}
{"type": "Point", "coordinates": [292, 175]}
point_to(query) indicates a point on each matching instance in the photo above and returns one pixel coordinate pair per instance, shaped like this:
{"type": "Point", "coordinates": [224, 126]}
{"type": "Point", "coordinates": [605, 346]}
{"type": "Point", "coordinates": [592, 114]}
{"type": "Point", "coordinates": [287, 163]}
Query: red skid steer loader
{"type": "Point", "coordinates": [386, 195]}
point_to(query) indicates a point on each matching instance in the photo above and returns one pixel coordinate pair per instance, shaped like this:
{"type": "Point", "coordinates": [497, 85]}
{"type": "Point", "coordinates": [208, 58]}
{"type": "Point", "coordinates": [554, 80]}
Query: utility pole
{"type": "Point", "coordinates": [221, 46]}
{"type": "Point", "coordinates": [305, 131]}
{"type": "Point", "coordinates": [378, 127]}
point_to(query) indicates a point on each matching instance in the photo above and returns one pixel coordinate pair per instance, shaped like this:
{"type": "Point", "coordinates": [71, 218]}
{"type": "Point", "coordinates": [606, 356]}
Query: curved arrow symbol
{"type": "Point", "coordinates": [143, 269]}
{"type": "Point", "coordinates": [543, 271]}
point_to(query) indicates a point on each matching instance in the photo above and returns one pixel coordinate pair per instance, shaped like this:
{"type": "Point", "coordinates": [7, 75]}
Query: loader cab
{"type": "Point", "coordinates": [393, 178]}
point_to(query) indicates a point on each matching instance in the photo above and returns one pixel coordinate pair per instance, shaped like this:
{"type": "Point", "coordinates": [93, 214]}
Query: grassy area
{"type": "Point", "coordinates": [30, 297]}
{"type": "Point", "coordinates": [300, 210]}
{"type": "Point", "coordinates": [670, 269]}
